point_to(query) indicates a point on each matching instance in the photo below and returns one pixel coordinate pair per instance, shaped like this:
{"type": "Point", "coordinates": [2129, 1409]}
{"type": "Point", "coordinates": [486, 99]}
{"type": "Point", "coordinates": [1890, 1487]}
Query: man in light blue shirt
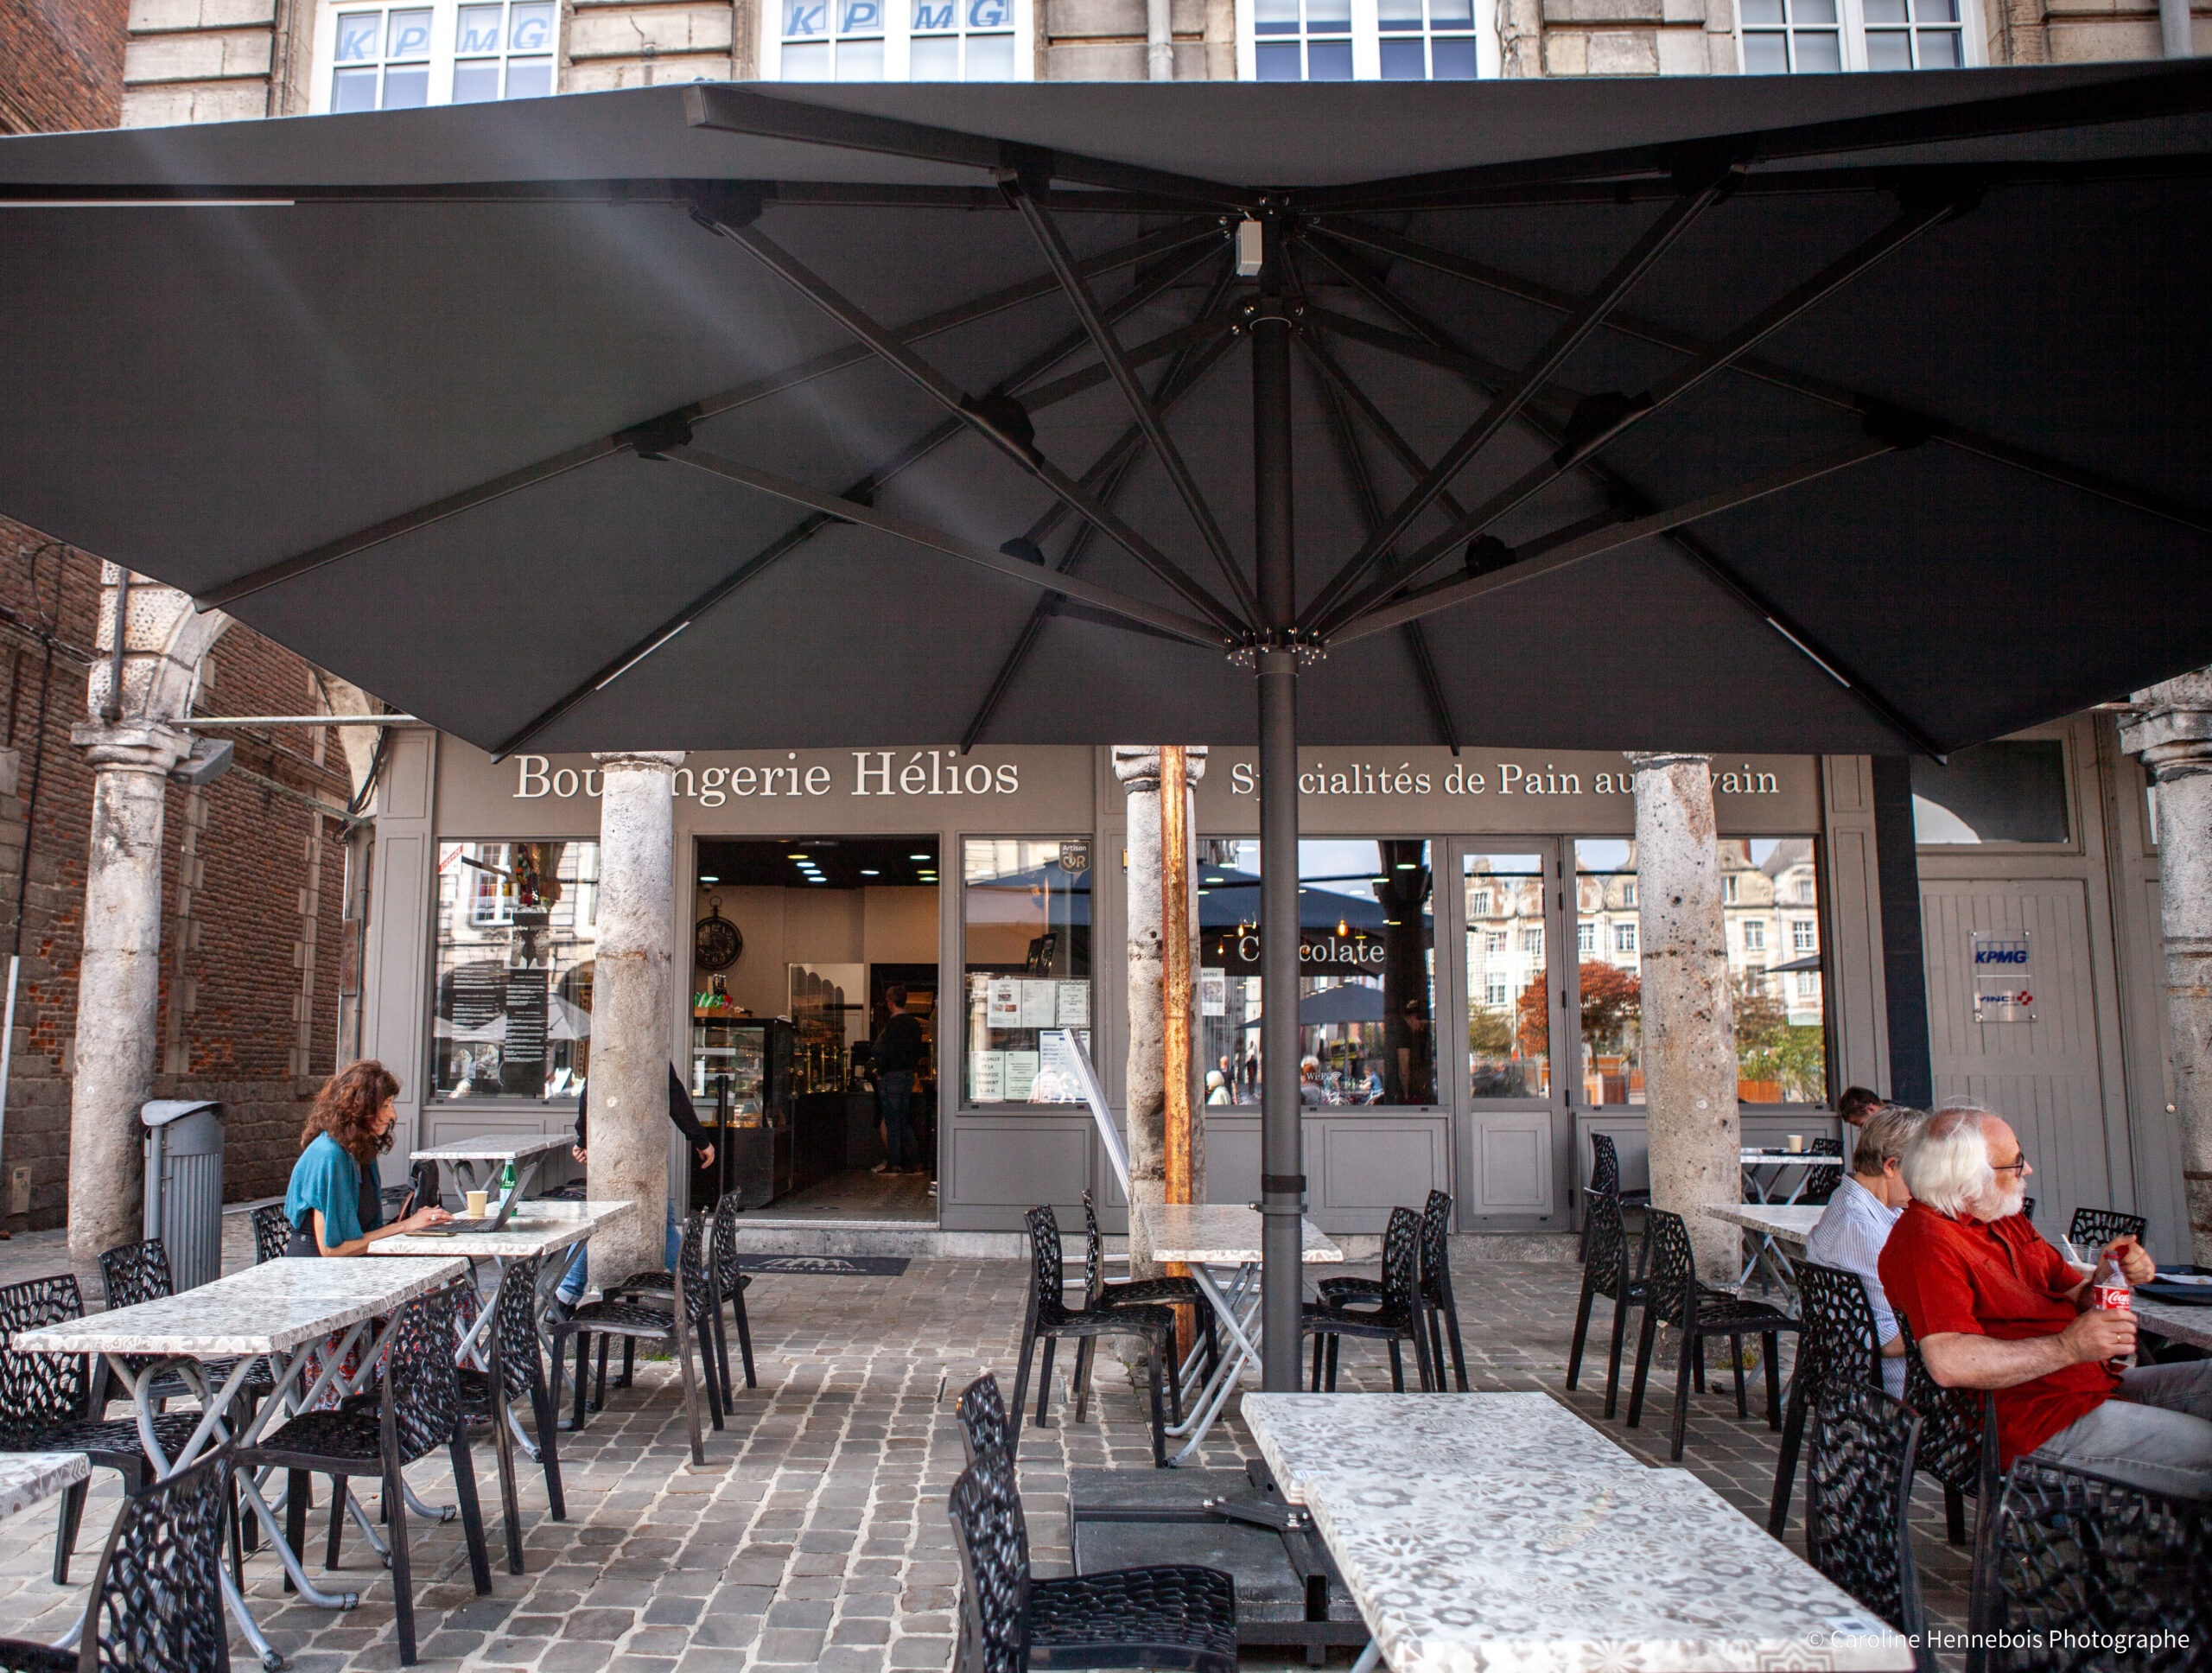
{"type": "Point", "coordinates": [1857, 1222]}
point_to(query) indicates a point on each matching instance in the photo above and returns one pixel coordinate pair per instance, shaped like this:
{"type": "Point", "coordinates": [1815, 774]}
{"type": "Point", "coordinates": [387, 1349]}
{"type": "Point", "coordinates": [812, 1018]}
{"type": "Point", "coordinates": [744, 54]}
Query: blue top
{"type": "Point", "coordinates": [1853, 1229]}
{"type": "Point", "coordinates": [325, 1177]}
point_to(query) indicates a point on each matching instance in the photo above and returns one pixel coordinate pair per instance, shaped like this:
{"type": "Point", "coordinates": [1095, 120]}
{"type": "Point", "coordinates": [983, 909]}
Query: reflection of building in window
{"type": "Point", "coordinates": [1754, 935]}
{"type": "Point", "coordinates": [1624, 937]}
{"type": "Point", "coordinates": [1728, 889]}
{"type": "Point", "coordinates": [1509, 1012]}
{"type": "Point", "coordinates": [1025, 909]}
{"type": "Point", "coordinates": [1585, 936]}
{"type": "Point", "coordinates": [1532, 940]}
{"type": "Point", "coordinates": [513, 943]}
{"type": "Point", "coordinates": [1494, 941]}
{"type": "Point", "coordinates": [1803, 937]}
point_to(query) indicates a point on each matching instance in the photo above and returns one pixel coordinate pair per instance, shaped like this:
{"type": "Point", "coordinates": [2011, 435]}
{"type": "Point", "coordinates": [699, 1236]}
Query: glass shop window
{"type": "Point", "coordinates": [1366, 1001]}
{"type": "Point", "coordinates": [1509, 992]}
{"type": "Point", "coordinates": [1026, 908]}
{"type": "Point", "coordinates": [896, 39]}
{"type": "Point", "coordinates": [1994, 792]}
{"type": "Point", "coordinates": [1780, 1024]}
{"type": "Point", "coordinates": [515, 927]}
{"type": "Point", "coordinates": [391, 58]}
{"type": "Point", "coordinates": [1808, 37]}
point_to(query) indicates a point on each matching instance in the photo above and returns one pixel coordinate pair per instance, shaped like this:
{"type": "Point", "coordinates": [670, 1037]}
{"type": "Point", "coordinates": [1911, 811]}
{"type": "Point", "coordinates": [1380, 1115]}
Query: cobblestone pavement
{"type": "Point", "coordinates": [816, 1535]}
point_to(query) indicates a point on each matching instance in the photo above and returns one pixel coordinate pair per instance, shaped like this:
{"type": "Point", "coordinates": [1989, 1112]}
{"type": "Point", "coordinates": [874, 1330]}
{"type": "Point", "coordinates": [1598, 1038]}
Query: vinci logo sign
{"type": "Point", "coordinates": [2004, 987]}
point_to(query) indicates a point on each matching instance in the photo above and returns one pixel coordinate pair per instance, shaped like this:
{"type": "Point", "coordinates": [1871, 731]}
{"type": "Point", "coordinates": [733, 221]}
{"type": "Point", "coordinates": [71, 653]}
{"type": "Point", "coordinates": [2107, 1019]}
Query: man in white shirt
{"type": "Point", "coordinates": [1857, 1222]}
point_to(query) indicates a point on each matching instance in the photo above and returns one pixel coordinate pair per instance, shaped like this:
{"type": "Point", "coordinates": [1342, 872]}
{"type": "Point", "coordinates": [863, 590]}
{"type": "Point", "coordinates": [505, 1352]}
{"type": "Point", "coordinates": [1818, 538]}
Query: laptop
{"type": "Point", "coordinates": [494, 1222]}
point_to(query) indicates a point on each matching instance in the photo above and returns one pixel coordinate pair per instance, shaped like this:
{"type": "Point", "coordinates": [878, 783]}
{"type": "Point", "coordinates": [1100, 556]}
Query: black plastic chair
{"type": "Point", "coordinates": [2094, 1228]}
{"type": "Point", "coordinates": [678, 1328]}
{"type": "Point", "coordinates": [1837, 1349]}
{"type": "Point", "coordinates": [1674, 1296]}
{"type": "Point", "coordinates": [1174, 1617]}
{"type": "Point", "coordinates": [1047, 1317]}
{"type": "Point", "coordinates": [1435, 1288]}
{"type": "Point", "coordinates": [981, 1412]}
{"type": "Point", "coordinates": [414, 1410]}
{"type": "Point", "coordinates": [1605, 1181]}
{"type": "Point", "coordinates": [2028, 1209]}
{"type": "Point", "coordinates": [1164, 1291]}
{"type": "Point", "coordinates": [1858, 1500]}
{"type": "Point", "coordinates": [515, 1368]}
{"type": "Point", "coordinates": [132, 1273]}
{"type": "Point", "coordinates": [1605, 1272]}
{"type": "Point", "coordinates": [2078, 1560]}
{"type": "Point", "coordinates": [156, 1605]}
{"type": "Point", "coordinates": [730, 1284]}
{"type": "Point", "coordinates": [1397, 1317]}
{"type": "Point", "coordinates": [1821, 1183]}
{"type": "Point", "coordinates": [46, 1405]}
{"type": "Point", "coordinates": [272, 1232]}
{"type": "Point", "coordinates": [1958, 1437]}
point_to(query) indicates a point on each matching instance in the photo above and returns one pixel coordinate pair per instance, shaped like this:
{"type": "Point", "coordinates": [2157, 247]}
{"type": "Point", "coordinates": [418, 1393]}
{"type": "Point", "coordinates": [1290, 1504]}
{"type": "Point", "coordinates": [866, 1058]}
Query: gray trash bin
{"type": "Point", "coordinates": [184, 1186]}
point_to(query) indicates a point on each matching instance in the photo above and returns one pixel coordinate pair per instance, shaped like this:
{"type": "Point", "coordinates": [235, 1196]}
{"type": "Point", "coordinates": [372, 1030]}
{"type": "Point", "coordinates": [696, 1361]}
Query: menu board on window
{"type": "Point", "coordinates": [1059, 1081]}
{"type": "Point", "coordinates": [1041, 1002]}
{"type": "Point", "coordinates": [987, 1077]}
{"type": "Point", "coordinates": [1021, 1076]}
{"type": "Point", "coordinates": [1213, 990]}
{"type": "Point", "coordinates": [1005, 1002]}
{"type": "Point", "coordinates": [1072, 1008]}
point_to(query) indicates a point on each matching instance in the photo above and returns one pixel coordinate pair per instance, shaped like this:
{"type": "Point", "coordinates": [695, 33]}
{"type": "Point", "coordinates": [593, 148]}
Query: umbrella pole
{"type": "Point", "coordinates": [1282, 1182]}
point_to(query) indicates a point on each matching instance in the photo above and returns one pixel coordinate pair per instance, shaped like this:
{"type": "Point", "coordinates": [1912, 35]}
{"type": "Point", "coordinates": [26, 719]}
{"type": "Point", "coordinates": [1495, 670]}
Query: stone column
{"type": "Point", "coordinates": [2173, 734]}
{"type": "Point", "coordinates": [1690, 1034]}
{"type": "Point", "coordinates": [1137, 766]}
{"type": "Point", "coordinates": [132, 746]}
{"type": "Point", "coordinates": [630, 1047]}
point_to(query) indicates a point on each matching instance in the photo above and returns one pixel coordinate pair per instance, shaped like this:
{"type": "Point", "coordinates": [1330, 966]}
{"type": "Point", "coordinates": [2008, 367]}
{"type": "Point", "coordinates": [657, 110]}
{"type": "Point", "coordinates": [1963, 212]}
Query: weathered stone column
{"type": "Point", "coordinates": [2173, 734]}
{"type": "Point", "coordinates": [630, 1047]}
{"type": "Point", "coordinates": [132, 747]}
{"type": "Point", "coordinates": [1137, 766]}
{"type": "Point", "coordinates": [1690, 1034]}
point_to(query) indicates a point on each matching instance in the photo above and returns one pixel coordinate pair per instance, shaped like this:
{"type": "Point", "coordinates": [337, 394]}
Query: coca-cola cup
{"type": "Point", "coordinates": [2114, 1296]}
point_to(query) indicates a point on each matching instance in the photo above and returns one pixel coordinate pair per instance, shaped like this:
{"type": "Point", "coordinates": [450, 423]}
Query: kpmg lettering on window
{"type": "Point", "coordinates": [875, 773]}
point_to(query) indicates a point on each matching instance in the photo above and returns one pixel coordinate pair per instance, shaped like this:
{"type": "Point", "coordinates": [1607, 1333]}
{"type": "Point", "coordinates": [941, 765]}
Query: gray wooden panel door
{"type": "Point", "coordinates": [2043, 1076]}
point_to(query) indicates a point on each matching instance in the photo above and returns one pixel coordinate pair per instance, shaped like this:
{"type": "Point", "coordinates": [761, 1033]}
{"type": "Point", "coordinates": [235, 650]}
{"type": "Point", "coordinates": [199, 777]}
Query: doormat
{"type": "Point", "coordinates": [827, 1266]}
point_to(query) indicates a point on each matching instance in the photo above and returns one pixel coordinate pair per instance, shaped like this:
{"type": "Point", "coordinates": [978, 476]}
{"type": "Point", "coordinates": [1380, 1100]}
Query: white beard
{"type": "Point", "coordinates": [2006, 1204]}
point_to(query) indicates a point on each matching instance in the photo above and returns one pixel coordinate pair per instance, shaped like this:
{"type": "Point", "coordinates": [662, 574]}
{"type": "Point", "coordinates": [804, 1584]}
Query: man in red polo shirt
{"type": "Point", "coordinates": [1992, 1305]}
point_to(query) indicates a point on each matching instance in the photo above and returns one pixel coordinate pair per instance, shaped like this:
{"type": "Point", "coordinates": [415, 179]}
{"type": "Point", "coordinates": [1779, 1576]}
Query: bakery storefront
{"type": "Point", "coordinates": [1468, 1007]}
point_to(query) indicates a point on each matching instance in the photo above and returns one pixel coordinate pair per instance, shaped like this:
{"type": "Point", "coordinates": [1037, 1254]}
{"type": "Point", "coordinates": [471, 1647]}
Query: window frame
{"type": "Point", "coordinates": [898, 52]}
{"type": "Point", "coordinates": [445, 23]}
{"type": "Point", "coordinates": [952, 978]}
{"type": "Point", "coordinates": [1851, 20]}
{"type": "Point", "coordinates": [1367, 41]}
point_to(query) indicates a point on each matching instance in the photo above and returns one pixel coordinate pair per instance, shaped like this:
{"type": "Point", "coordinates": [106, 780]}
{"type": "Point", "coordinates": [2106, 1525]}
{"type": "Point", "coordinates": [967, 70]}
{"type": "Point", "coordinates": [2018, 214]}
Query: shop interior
{"type": "Point", "coordinates": [796, 946]}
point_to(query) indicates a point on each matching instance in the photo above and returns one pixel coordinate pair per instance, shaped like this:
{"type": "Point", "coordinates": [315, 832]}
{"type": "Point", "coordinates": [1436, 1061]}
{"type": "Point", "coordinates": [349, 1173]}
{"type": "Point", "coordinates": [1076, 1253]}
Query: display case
{"type": "Point", "coordinates": [742, 1086]}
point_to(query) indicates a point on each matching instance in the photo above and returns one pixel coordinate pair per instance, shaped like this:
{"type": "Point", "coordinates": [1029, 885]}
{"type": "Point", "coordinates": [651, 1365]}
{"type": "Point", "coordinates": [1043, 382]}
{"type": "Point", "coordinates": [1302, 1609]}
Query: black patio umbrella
{"type": "Point", "coordinates": [1859, 413]}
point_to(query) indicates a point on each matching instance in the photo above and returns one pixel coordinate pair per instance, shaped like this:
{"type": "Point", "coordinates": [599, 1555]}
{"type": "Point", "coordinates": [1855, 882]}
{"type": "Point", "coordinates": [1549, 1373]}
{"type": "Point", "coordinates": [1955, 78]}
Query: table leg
{"type": "Point", "coordinates": [1243, 1348]}
{"type": "Point", "coordinates": [1369, 1658]}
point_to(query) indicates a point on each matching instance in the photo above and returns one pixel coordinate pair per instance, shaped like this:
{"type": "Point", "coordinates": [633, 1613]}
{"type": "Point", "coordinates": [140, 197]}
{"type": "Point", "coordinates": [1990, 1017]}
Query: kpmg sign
{"type": "Point", "coordinates": [2004, 982]}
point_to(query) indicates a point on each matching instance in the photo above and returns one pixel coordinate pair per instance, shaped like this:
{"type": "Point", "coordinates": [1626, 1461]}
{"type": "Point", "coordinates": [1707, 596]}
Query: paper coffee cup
{"type": "Point", "coordinates": [476, 1202]}
{"type": "Point", "coordinates": [1796, 1143]}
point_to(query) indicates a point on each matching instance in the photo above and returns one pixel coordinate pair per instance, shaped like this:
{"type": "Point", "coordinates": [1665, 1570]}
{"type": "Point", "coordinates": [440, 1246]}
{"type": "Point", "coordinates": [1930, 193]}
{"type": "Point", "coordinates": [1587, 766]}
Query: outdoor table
{"type": "Point", "coordinates": [1771, 1223]}
{"type": "Point", "coordinates": [1305, 1436]}
{"type": "Point", "coordinates": [1206, 1235]}
{"type": "Point", "coordinates": [2174, 1321]}
{"type": "Point", "coordinates": [28, 1478]}
{"type": "Point", "coordinates": [279, 1309]}
{"type": "Point", "coordinates": [1781, 1162]}
{"type": "Point", "coordinates": [541, 1229]}
{"type": "Point", "coordinates": [527, 1151]}
{"type": "Point", "coordinates": [1561, 1571]}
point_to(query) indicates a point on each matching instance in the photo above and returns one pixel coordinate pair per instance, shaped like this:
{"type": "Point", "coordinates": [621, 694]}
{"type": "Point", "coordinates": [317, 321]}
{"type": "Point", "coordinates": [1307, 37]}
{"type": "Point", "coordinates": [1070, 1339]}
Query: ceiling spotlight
{"type": "Point", "coordinates": [1343, 928]}
{"type": "Point", "coordinates": [794, 856]}
{"type": "Point", "coordinates": [917, 856]}
{"type": "Point", "coordinates": [865, 872]}
{"type": "Point", "coordinates": [704, 878]}
{"type": "Point", "coordinates": [1408, 865]}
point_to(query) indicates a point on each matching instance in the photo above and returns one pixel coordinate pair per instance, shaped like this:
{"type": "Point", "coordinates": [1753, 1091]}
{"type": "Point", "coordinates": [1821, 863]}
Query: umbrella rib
{"type": "Point", "coordinates": [1371, 510]}
{"type": "Point", "coordinates": [1173, 622]}
{"type": "Point", "coordinates": [1632, 501]}
{"type": "Point", "coordinates": [1561, 551]}
{"type": "Point", "coordinates": [996, 425]}
{"type": "Point", "coordinates": [1818, 389]}
{"type": "Point", "coordinates": [1200, 331]}
{"type": "Point", "coordinates": [741, 110]}
{"type": "Point", "coordinates": [1106, 474]}
{"type": "Point", "coordinates": [1600, 420]}
{"type": "Point", "coordinates": [1706, 190]}
{"type": "Point", "coordinates": [728, 400]}
{"type": "Point", "coordinates": [1057, 257]}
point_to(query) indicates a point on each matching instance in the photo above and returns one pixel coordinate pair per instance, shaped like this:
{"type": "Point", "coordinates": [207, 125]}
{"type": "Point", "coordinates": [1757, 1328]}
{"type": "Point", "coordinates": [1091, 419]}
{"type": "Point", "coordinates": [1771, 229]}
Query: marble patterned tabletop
{"type": "Point", "coordinates": [28, 1478]}
{"type": "Point", "coordinates": [1788, 1223]}
{"type": "Point", "coordinates": [2176, 1321]}
{"type": "Point", "coordinates": [495, 1147]}
{"type": "Point", "coordinates": [270, 1308]}
{"type": "Point", "coordinates": [1221, 1234]}
{"type": "Point", "coordinates": [1303, 1435]}
{"type": "Point", "coordinates": [1555, 1572]}
{"type": "Point", "coordinates": [536, 1228]}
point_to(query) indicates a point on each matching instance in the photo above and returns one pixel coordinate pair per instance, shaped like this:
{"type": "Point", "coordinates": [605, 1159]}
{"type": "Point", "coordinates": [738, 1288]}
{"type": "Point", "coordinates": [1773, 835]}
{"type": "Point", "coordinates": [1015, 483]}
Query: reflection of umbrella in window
{"type": "Point", "coordinates": [566, 1021]}
{"type": "Point", "coordinates": [1354, 1002]}
{"type": "Point", "coordinates": [493, 1033]}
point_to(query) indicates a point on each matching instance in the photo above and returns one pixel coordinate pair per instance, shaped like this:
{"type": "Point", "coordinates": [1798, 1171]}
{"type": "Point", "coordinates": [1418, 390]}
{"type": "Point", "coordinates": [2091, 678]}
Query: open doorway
{"type": "Point", "coordinates": [798, 945]}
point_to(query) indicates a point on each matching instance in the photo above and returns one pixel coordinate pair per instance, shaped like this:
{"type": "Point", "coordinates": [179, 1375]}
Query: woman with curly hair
{"type": "Point", "coordinates": [333, 1202]}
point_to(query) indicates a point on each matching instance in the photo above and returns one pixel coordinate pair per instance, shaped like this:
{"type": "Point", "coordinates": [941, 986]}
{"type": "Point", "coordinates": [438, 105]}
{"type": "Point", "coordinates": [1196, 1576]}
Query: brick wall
{"type": "Point", "coordinates": [61, 64]}
{"type": "Point", "coordinates": [252, 891]}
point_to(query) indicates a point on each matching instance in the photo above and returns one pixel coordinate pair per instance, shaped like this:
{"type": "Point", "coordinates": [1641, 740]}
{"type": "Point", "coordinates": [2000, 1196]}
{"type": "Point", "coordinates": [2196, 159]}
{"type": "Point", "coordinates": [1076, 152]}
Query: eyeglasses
{"type": "Point", "coordinates": [2018, 1166]}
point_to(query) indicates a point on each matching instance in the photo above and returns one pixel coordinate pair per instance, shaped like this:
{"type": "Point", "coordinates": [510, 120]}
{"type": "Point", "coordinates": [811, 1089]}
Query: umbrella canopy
{"type": "Point", "coordinates": [1861, 413]}
{"type": "Point", "coordinates": [1939, 320]}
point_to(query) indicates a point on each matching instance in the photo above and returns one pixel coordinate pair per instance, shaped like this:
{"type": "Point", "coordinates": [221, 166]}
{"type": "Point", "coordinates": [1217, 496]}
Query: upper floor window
{"type": "Point", "coordinates": [1624, 937]}
{"type": "Point", "coordinates": [1754, 935]}
{"type": "Point", "coordinates": [898, 40]}
{"type": "Point", "coordinates": [400, 57]}
{"type": "Point", "coordinates": [1728, 888]}
{"type": "Point", "coordinates": [1801, 936]}
{"type": "Point", "coordinates": [1585, 936]}
{"type": "Point", "coordinates": [1803, 37]}
{"type": "Point", "coordinates": [1363, 41]}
